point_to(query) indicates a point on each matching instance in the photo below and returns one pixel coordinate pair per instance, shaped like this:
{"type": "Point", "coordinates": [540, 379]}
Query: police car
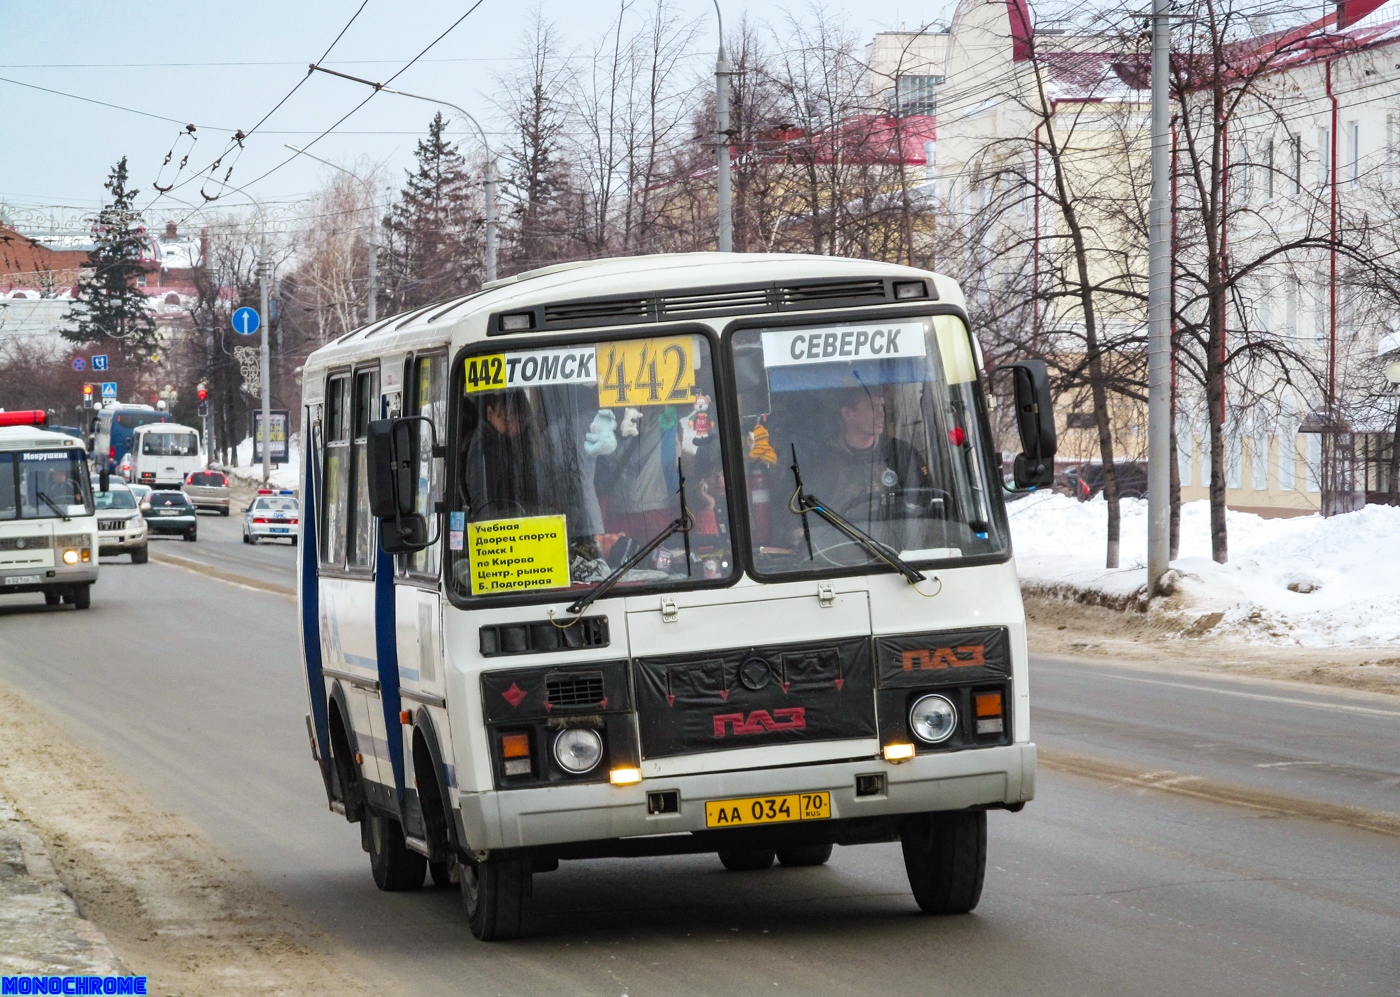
{"type": "Point", "coordinates": [272, 514]}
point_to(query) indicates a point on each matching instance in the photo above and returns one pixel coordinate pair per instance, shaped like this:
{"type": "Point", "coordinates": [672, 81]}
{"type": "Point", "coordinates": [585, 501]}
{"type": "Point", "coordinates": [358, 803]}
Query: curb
{"type": "Point", "coordinates": [42, 932]}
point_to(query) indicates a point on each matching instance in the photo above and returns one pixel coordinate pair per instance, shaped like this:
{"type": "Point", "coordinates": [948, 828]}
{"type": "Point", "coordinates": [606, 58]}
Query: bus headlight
{"type": "Point", "coordinates": [933, 719]}
{"type": "Point", "coordinates": [578, 750]}
{"type": "Point", "coordinates": [70, 557]}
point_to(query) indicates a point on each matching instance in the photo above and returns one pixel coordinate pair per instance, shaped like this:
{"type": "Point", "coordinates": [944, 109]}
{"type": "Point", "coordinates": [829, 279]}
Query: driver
{"type": "Point", "coordinates": [863, 462]}
{"type": "Point", "coordinates": [500, 471]}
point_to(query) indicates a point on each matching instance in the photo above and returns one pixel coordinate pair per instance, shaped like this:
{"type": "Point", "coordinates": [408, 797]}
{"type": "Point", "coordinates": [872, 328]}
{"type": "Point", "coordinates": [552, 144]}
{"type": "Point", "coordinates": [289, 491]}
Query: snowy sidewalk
{"type": "Point", "coordinates": [1304, 581]}
{"type": "Point", "coordinates": [41, 931]}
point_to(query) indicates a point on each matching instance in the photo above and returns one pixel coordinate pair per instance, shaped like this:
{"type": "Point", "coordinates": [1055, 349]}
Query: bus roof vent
{"type": "Point", "coordinates": [833, 294]}
{"type": "Point", "coordinates": [691, 304]}
{"type": "Point", "coordinates": [598, 311]}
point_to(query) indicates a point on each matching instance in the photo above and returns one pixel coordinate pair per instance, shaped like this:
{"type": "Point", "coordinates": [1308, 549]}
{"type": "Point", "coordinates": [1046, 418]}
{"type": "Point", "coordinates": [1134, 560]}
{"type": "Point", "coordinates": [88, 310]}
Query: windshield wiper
{"type": "Point", "coordinates": [803, 503]}
{"type": "Point", "coordinates": [681, 525]}
{"type": "Point", "coordinates": [53, 505]}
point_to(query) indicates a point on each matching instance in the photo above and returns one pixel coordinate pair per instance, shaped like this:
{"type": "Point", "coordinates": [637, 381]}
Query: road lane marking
{"type": "Point", "coordinates": [1125, 774]}
{"type": "Point", "coordinates": [205, 568]}
{"type": "Point", "coordinates": [1338, 707]}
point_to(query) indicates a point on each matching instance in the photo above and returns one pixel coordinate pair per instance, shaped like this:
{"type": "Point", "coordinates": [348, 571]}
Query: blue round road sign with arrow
{"type": "Point", "coordinates": [246, 321]}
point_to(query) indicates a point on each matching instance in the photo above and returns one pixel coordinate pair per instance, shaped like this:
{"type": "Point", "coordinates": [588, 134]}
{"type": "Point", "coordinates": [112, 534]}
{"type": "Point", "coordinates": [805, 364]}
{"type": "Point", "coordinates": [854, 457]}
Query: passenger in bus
{"type": "Point", "coordinates": [862, 461]}
{"type": "Point", "coordinates": [500, 473]}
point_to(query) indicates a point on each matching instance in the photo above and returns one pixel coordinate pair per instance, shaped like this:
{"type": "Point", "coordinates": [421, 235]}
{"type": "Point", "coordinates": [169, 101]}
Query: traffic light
{"type": "Point", "coordinates": [203, 394]}
{"type": "Point", "coordinates": [87, 396]}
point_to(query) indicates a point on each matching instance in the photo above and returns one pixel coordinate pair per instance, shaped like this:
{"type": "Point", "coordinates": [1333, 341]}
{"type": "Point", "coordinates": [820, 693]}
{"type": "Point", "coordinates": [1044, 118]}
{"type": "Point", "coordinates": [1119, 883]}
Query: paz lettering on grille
{"type": "Point", "coordinates": [945, 657]}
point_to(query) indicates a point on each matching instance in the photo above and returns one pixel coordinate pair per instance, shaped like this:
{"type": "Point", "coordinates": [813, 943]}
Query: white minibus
{"type": "Point", "coordinates": [48, 526]}
{"type": "Point", "coordinates": [163, 454]}
{"type": "Point", "coordinates": [660, 555]}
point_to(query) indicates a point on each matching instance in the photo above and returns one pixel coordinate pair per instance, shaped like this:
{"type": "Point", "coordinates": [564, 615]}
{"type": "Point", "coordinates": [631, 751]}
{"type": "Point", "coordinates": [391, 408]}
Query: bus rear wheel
{"type": "Point", "coordinates": [945, 857]}
{"type": "Point", "coordinates": [746, 859]}
{"type": "Point", "coordinates": [496, 896]}
{"type": "Point", "coordinates": [391, 862]}
{"type": "Point", "coordinates": [800, 855]}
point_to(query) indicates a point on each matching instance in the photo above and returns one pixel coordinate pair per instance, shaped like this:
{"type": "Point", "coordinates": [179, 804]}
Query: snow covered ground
{"type": "Point", "coordinates": [283, 475]}
{"type": "Point", "coordinates": [1306, 580]}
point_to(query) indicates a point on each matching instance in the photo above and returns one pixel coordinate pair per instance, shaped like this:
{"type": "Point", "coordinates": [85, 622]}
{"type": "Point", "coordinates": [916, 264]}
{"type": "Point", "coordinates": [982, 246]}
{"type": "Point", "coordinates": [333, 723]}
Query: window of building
{"type": "Point", "coordinates": [1353, 161]}
{"type": "Point", "coordinates": [1269, 167]}
{"type": "Point", "coordinates": [1296, 166]}
{"type": "Point", "coordinates": [915, 94]}
{"type": "Point", "coordinates": [1079, 420]}
{"type": "Point", "coordinates": [1324, 156]}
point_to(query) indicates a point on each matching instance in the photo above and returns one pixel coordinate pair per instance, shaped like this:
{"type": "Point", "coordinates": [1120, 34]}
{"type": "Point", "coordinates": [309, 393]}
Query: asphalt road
{"type": "Point", "coordinates": [191, 684]}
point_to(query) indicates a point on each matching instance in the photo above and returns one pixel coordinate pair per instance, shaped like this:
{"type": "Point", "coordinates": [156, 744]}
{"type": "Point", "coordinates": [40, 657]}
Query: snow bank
{"type": "Point", "coordinates": [282, 476]}
{"type": "Point", "coordinates": [1304, 580]}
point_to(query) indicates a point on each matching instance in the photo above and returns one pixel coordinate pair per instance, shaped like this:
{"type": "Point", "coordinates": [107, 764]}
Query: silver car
{"type": "Point", "coordinates": [208, 490]}
{"type": "Point", "coordinates": [121, 529]}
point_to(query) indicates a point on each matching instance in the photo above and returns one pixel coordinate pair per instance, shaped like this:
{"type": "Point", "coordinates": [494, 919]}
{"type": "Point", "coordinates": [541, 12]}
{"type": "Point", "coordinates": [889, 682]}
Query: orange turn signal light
{"type": "Point", "coordinates": [515, 745]}
{"type": "Point", "coordinates": [624, 777]}
{"type": "Point", "coordinates": [406, 718]}
{"type": "Point", "coordinates": [988, 704]}
{"type": "Point", "coordinates": [899, 752]}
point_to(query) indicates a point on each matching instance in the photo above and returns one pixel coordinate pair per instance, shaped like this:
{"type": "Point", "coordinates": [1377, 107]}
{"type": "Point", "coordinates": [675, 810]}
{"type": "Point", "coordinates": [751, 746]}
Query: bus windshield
{"type": "Point", "coordinates": [882, 422]}
{"type": "Point", "coordinates": [43, 484]}
{"type": "Point", "coordinates": [570, 460]}
{"type": "Point", "coordinates": [172, 444]}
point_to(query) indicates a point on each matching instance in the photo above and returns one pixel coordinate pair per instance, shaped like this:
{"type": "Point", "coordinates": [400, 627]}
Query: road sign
{"type": "Point", "coordinates": [79, 363]}
{"type": "Point", "coordinates": [246, 321]}
{"type": "Point", "coordinates": [99, 362]}
{"type": "Point", "coordinates": [109, 390]}
{"type": "Point", "coordinates": [278, 420]}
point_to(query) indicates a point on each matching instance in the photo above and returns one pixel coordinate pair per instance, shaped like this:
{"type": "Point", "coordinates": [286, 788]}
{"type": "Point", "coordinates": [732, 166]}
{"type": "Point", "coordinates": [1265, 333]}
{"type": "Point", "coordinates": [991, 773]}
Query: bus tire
{"type": "Point", "coordinates": [140, 555]}
{"type": "Point", "coordinates": [52, 598]}
{"type": "Point", "coordinates": [393, 865]}
{"type": "Point", "coordinates": [441, 873]}
{"type": "Point", "coordinates": [496, 897]}
{"type": "Point", "coordinates": [82, 596]}
{"type": "Point", "coordinates": [945, 857]}
{"type": "Point", "coordinates": [800, 855]}
{"type": "Point", "coordinates": [223, 510]}
{"type": "Point", "coordinates": [747, 859]}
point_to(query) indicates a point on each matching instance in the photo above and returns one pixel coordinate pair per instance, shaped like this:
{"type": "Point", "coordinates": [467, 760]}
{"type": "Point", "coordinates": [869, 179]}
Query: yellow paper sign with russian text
{"type": "Point", "coordinates": [516, 555]}
{"type": "Point", "coordinates": [639, 372]}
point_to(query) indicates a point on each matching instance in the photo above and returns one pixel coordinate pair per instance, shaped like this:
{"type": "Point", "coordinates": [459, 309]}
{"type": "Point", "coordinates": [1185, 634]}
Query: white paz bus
{"type": "Point", "coordinates": [646, 556]}
{"type": "Point", "coordinates": [48, 527]}
{"type": "Point", "coordinates": [164, 454]}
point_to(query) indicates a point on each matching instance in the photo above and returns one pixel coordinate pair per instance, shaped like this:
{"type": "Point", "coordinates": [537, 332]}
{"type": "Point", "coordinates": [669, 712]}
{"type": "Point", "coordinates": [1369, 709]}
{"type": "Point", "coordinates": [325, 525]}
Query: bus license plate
{"type": "Point", "coordinates": [767, 809]}
{"type": "Point", "coordinates": [23, 580]}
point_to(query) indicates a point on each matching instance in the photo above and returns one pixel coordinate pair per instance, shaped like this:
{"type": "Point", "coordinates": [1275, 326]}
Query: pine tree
{"type": "Point", "coordinates": [435, 230]}
{"type": "Point", "coordinates": [109, 305]}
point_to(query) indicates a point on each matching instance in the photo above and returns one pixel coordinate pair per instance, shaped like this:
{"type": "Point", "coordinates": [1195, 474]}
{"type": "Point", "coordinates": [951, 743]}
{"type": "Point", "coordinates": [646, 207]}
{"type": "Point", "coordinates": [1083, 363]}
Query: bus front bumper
{"type": "Point", "coordinates": [601, 814]}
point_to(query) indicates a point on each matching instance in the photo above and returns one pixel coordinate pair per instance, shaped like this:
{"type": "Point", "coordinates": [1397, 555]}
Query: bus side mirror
{"type": "Point", "coordinates": [392, 478]}
{"type": "Point", "coordinates": [1035, 421]}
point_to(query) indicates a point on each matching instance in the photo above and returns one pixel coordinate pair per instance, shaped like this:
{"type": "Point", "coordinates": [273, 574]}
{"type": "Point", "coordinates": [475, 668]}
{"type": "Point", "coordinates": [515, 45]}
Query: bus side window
{"type": "Point", "coordinates": [361, 524]}
{"type": "Point", "coordinates": [336, 473]}
{"type": "Point", "coordinates": [427, 397]}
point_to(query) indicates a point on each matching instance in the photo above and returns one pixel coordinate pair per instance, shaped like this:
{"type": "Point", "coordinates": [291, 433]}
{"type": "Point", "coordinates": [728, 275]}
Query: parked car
{"type": "Point", "coordinates": [208, 490]}
{"type": "Point", "coordinates": [172, 512]}
{"type": "Point", "coordinates": [1085, 481]}
{"type": "Point", "coordinates": [121, 529]}
{"type": "Point", "coordinates": [276, 515]}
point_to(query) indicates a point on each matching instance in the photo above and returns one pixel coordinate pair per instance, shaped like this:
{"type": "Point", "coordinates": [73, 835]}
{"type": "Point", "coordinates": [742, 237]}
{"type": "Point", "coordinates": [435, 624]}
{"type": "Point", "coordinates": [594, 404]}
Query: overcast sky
{"type": "Point", "coordinates": [224, 65]}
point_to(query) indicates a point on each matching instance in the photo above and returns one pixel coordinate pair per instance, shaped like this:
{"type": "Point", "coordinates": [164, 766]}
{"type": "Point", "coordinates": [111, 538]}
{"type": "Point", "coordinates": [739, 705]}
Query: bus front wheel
{"type": "Point", "coordinates": [394, 866]}
{"type": "Point", "coordinates": [945, 857]}
{"type": "Point", "coordinates": [496, 897]}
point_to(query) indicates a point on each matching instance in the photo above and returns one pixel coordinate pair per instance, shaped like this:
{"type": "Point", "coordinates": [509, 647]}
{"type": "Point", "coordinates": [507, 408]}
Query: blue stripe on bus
{"type": "Point", "coordinates": [311, 614]}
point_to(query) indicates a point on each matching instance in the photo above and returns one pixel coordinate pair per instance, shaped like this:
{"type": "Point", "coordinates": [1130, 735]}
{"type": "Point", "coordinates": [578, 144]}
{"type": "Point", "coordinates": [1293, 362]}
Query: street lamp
{"type": "Point", "coordinates": [722, 74]}
{"type": "Point", "coordinates": [489, 181]}
{"type": "Point", "coordinates": [372, 308]}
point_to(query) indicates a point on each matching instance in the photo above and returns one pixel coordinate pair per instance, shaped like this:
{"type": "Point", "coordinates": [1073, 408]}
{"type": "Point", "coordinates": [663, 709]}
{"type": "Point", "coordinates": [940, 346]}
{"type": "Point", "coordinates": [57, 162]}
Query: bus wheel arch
{"type": "Point", "coordinates": [346, 771]}
{"type": "Point", "coordinates": [434, 800]}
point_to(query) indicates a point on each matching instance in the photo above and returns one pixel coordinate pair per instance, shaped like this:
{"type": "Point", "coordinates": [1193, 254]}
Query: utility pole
{"type": "Point", "coordinates": [726, 207]}
{"type": "Point", "coordinates": [489, 179]}
{"type": "Point", "coordinates": [1159, 414]}
{"type": "Point", "coordinates": [264, 278]}
{"type": "Point", "coordinates": [372, 250]}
